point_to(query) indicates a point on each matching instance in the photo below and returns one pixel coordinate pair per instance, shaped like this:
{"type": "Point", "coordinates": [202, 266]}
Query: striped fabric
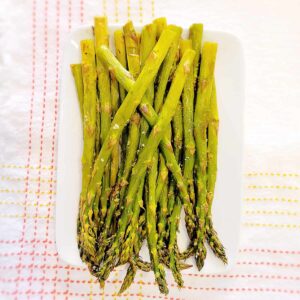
{"type": "Point", "coordinates": [32, 35]}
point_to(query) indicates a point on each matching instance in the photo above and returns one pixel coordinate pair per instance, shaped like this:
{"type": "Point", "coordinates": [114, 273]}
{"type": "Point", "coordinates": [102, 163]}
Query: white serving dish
{"type": "Point", "coordinates": [229, 76]}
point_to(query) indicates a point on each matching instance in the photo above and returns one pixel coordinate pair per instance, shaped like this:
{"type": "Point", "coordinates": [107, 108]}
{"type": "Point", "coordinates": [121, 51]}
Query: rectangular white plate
{"type": "Point", "coordinates": [226, 206]}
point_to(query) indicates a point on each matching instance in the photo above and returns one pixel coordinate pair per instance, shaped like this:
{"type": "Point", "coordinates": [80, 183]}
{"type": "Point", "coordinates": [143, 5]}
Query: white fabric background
{"type": "Point", "coordinates": [32, 35]}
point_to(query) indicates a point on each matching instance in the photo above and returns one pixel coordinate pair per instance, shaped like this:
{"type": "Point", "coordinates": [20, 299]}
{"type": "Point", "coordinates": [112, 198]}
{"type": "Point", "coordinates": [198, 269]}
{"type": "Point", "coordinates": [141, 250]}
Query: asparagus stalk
{"type": "Point", "coordinates": [145, 156]}
{"type": "Point", "coordinates": [175, 208]}
{"type": "Point", "coordinates": [149, 33]}
{"type": "Point", "coordinates": [89, 131]}
{"type": "Point", "coordinates": [178, 137]}
{"type": "Point", "coordinates": [148, 39]}
{"type": "Point", "coordinates": [195, 41]}
{"type": "Point", "coordinates": [162, 217]}
{"type": "Point", "coordinates": [161, 24]}
{"type": "Point", "coordinates": [188, 123]}
{"type": "Point", "coordinates": [132, 49]}
{"type": "Point", "coordinates": [131, 150]}
{"type": "Point", "coordinates": [196, 33]}
{"type": "Point", "coordinates": [77, 74]}
{"type": "Point", "coordinates": [121, 56]}
{"type": "Point", "coordinates": [166, 69]}
{"type": "Point", "coordinates": [132, 229]}
{"type": "Point", "coordinates": [212, 149]}
{"type": "Point", "coordinates": [136, 262]}
{"type": "Point", "coordinates": [201, 120]}
{"type": "Point", "coordinates": [150, 115]}
{"type": "Point", "coordinates": [144, 266]}
{"type": "Point", "coordinates": [89, 108]}
{"type": "Point", "coordinates": [152, 235]}
{"type": "Point", "coordinates": [173, 223]}
{"type": "Point", "coordinates": [122, 116]}
{"type": "Point", "coordinates": [178, 131]}
{"type": "Point", "coordinates": [101, 38]}
{"type": "Point", "coordinates": [129, 277]}
{"type": "Point", "coordinates": [115, 160]}
{"type": "Point", "coordinates": [162, 176]}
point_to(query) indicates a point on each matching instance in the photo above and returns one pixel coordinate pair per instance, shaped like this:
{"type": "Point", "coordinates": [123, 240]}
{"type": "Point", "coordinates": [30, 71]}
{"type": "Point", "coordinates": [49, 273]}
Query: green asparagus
{"type": "Point", "coordinates": [201, 120]}
{"type": "Point", "coordinates": [122, 116]}
{"type": "Point", "coordinates": [166, 146]}
{"type": "Point", "coordinates": [145, 156]}
{"type": "Point", "coordinates": [212, 149]}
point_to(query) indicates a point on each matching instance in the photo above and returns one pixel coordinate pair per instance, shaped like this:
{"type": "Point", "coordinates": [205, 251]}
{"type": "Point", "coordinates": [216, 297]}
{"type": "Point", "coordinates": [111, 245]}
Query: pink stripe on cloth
{"type": "Point", "coordinates": [33, 73]}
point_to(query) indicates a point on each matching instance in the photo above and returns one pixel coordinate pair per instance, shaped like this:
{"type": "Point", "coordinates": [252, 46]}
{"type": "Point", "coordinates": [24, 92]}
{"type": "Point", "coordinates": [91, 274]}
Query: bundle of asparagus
{"type": "Point", "coordinates": [150, 129]}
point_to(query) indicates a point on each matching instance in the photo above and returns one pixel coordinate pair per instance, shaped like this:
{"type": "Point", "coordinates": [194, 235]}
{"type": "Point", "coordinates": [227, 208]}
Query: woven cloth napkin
{"type": "Point", "coordinates": [32, 34]}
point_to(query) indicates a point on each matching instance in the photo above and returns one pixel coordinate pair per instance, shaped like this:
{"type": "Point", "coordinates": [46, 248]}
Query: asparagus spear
{"type": "Point", "coordinates": [188, 121]}
{"type": "Point", "coordinates": [162, 216]}
{"type": "Point", "coordinates": [188, 111]}
{"type": "Point", "coordinates": [89, 108]}
{"type": "Point", "coordinates": [132, 229]}
{"type": "Point", "coordinates": [101, 38]}
{"type": "Point", "coordinates": [151, 204]}
{"type": "Point", "coordinates": [77, 74]}
{"type": "Point", "coordinates": [161, 24]}
{"type": "Point", "coordinates": [148, 39]}
{"type": "Point", "coordinates": [132, 49]}
{"type": "Point", "coordinates": [150, 33]}
{"type": "Point", "coordinates": [115, 160]}
{"type": "Point", "coordinates": [150, 115]}
{"type": "Point", "coordinates": [121, 56]}
{"type": "Point", "coordinates": [122, 116]}
{"type": "Point", "coordinates": [196, 32]}
{"type": "Point", "coordinates": [201, 120]}
{"type": "Point", "coordinates": [131, 149]}
{"type": "Point", "coordinates": [212, 149]}
{"type": "Point", "coordinates": [178, 130]}
{"type": "Point", "coordinates": [145, 156]}
{"type": "Point", "coordinates": [136, 262]}
{"type": "Point", "coordinates": [174, 222]}
{"type": "Point", "coordinates": [178, 137]}
{"type": "Point", "coordinates": [175, 208]}
{"type": "Point", "coordinates": [143, 265]}
{"type": "Point", "coordinates": [129, 277]}
{"type": "Point", "coordinates": [162, 176]}
{"type": "Point", "coordinates": [89, 128]}
{"type": "Point", "coordinates": [166, 69]}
